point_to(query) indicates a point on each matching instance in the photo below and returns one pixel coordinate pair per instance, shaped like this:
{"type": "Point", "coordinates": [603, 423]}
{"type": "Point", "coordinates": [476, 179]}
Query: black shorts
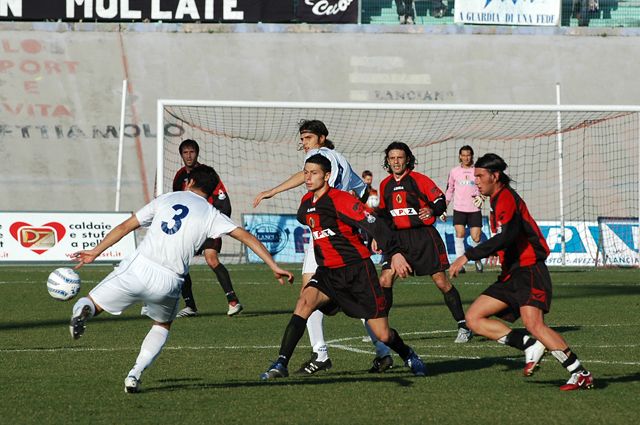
{"type": "Point", "coordinates": [354, 289]}
{"type": "Point", "coordinates": [424, 250]}
{"type": "Point", "coordinates": [215, 244]}
{"type": "Point", "coordinates": [470, 219]}
{"type": "Point", "coordinates": [530, 285]}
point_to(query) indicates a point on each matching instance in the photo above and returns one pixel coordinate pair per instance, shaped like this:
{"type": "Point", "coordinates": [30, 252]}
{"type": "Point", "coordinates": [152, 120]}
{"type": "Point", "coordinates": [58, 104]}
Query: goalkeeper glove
{"type": "Point", "coordinates": [478, 201]}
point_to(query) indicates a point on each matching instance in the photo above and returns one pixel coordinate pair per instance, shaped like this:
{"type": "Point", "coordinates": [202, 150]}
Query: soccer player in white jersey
{"type": "Point", "coordinates": [467, 202]}
{"type": "Point", "coordinates": [313, 138]}
{"type": "Point", "coordinates": [178, 224]}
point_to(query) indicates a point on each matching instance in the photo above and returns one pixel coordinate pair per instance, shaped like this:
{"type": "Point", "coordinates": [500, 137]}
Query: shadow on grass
{"type": "Point", "coordinates": [335, 378]}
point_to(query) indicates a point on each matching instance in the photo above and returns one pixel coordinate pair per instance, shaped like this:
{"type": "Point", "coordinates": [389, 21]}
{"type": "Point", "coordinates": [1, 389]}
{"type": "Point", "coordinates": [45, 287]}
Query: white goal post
{"type": "Point", "coordinates": [590, 154]}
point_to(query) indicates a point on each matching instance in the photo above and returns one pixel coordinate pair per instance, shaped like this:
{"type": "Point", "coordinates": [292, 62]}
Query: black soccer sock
{"type": "Point", "coordinates": [568, 360]}
{"type": "Point", "coordinates": [519, 340]}
{"type": "Point", "coordinates": [187, 293]}
{"type": "Point", "coordinates": [225, 282]}
{"type": "Point", "coordinates": [292, 334]}
{"type": "Point", "coordinates": [388, 296]}
{"type": "Point", "coordinates": [453, 301]}
{"type": "Point", "coordinates": [397, 344]}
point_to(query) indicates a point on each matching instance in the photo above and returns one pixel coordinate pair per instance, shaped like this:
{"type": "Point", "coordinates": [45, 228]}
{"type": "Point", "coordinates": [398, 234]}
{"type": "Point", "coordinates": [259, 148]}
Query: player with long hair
{"type": "Point", "coordinates": [411, 201]}
{"type": "Point", "coordinates": [523, 288]}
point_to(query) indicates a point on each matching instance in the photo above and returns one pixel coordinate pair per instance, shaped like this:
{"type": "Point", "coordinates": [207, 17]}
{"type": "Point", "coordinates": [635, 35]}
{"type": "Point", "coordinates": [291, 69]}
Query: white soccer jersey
{"type": "Point", "coordinates": [342, 175]}
{"type": "Point", "coordinates": [178, 224]}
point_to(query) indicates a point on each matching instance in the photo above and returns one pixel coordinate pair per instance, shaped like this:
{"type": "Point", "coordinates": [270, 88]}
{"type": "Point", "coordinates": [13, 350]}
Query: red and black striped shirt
{"type": "Point", "coordinates": [220, 198]}
{"type": "Point", "coordinates": [401, 200]}
{"type": "Point", "coordinates": [334, 219]}
{"type": "Point", "coordinates": [517, 238]}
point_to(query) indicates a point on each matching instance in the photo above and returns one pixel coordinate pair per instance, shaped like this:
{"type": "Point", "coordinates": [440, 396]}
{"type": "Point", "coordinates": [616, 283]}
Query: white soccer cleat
{"type": "Point", "coordinates": [532, 356]}
{"type": "Point", "coordinates": [131, 385]}
{"type": "Point", "coordinates": [234, 309]}
{"type": "Point", "coordinates": [187, 312]}
{"type": "Point", "coordinates": [464, 336]}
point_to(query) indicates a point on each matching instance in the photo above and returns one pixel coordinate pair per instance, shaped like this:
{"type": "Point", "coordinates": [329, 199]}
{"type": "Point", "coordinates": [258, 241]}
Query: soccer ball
{"type": "Point", "coordinates": [63, 284]}
{"type": "Point", "coordinates": [373, 201]}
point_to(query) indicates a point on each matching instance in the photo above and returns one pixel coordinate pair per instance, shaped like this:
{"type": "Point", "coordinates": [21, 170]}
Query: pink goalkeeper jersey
{"type": "Point", "coordinates": [461, 188]}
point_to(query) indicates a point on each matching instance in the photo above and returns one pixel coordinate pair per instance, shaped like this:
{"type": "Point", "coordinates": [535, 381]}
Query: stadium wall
{"type": "Point", "coordinates": [61, 86]}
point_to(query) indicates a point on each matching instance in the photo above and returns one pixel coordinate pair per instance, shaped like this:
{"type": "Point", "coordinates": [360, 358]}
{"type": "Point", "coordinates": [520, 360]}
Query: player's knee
{"type": "Point", "coordinates": [212, 260]}
{"type": "Point", "coordinates": [442, 283]}
{"type": "Point", "coordinates": [473, 321]}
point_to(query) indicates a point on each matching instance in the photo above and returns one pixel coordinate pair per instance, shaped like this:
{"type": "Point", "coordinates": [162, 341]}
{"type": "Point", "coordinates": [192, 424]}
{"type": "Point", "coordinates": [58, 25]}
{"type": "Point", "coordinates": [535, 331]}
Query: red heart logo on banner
{"type": "Point", "coordinates": [38, 239]}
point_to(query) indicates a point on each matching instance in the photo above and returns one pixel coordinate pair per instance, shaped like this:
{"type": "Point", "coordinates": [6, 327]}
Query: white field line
{"type": "Point", "coordinates": [336, 344]}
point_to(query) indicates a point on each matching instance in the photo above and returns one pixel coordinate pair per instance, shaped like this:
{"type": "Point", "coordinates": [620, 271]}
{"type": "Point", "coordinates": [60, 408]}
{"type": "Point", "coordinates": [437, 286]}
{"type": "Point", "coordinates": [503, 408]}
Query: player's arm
{"type": "Point", "coordinates": [117, 233]}
{"type": "Point", "coordinates": [254, 244]}
{"type": "Point", "coordinates": [294, 181]}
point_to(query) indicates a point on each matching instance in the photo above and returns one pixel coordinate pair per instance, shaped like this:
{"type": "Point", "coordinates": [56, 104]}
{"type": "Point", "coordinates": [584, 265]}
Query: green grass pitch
{"type": "Point", "coordinates": [208, 371]}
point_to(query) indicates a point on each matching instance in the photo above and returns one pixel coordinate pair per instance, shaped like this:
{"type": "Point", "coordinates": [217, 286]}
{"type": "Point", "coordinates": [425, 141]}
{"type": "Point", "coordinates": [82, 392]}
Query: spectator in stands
{"type": "Point", "coordinates": [406, 13]}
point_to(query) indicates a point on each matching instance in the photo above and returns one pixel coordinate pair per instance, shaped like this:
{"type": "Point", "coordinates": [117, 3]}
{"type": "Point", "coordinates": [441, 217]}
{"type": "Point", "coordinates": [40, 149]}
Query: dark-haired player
{"type": "Point", "coordinates": [178, 223]}
{"type": "Point", "coordinates": [523, 289]}
{"type": "Point", "coordinates": [189, 151]}
{"type": "Point", "coordinates": [411, 202]}
{"type": "Point", "coordinates": [467, 201]}
{"type": "Point", "coordinates": [345, 279]}
{"type": "Point", "coordinates": [313, 140]}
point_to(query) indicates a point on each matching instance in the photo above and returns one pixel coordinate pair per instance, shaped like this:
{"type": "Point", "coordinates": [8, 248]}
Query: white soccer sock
{"type": "Point", "coordinates": [80, 304]}
{"type": "Point", "coordinates": [316, 335]}
{"type": "Point", "coordinates": [459, 245]}
{"type": "Point", "coordinates": [150, 349]}
{"type": "Point", "coordinates": [381, 349]}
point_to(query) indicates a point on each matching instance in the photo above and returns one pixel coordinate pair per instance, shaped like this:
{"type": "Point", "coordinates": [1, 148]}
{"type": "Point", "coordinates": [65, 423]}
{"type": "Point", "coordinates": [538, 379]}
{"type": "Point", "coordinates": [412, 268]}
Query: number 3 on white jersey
{"type": "Point", "coordinates": [181, 212]}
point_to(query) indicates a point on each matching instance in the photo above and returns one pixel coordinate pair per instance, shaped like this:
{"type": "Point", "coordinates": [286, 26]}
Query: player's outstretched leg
{"type": "Point", "coordinates": [149, 351]}
{"type": "Point", "coordinates": [320, 357]}
{"type": "Point", "coordinates": [292, 334]}
{"type": "Point", "coordinates": [83, 310]}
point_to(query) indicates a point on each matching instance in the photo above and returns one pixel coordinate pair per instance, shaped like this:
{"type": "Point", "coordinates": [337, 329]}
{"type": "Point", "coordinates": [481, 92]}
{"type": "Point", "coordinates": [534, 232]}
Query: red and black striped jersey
{"type": "Point", "coordinates": [517, 238]}
{"type": "Point", "coordinates": [401, 200]}
{"type": "Point", "coordinates": [220, 198]}
{"type": "Point", "coordinates": [334, 219]}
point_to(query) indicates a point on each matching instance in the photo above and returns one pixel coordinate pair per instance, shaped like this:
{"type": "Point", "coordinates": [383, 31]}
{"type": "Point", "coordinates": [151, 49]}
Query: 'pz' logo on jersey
{"type": "Point", "coordinates": [319, 234]}
{"type": "Point", "coordinates": [400, 212]}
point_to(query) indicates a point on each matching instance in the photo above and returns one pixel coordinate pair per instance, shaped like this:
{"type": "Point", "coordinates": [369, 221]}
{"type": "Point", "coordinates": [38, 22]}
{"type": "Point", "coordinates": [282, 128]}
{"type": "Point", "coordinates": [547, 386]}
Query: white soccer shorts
{"type": "Point", "coordinates": [309, 264]}
{"type": "Point", "coordinates": [140, 280]}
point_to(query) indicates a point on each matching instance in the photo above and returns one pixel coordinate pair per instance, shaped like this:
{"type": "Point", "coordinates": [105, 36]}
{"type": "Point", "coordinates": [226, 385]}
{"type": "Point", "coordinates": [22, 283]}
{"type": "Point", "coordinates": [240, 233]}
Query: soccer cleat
{"type": "Point", "coordinates": [533, 355]}
{"type": "Point", "coordinates": [410, 20]}
{"type": "Point", "coordinates": [312, 365]}
{"type": "Point", "coordinates": [464, 335]}
{"type": "Point", "coordinates": [380, 364]}
{"type": "Point", "coordinates": [479, 266]}
{"type": "Point", "coordinates": [131, 385]}
{"type": "Point", "coordinates": [276, 370]}
{"type": "Point", "coordinates": [415, 363]}
{"type": "Point", "coordinates": [78, 324]}
{"type": "Point", "coordinates": [187, 312]}
{"type": "Point", "coordinates": [579, 380]}
{"type": "Point", "coordinates": [234, 308]}
{"type": "Point", "coordinates": [402, 20]}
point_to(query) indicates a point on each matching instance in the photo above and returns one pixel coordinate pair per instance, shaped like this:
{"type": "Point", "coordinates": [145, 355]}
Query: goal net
{"type": "Point", "coordinates": [571, 164]}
